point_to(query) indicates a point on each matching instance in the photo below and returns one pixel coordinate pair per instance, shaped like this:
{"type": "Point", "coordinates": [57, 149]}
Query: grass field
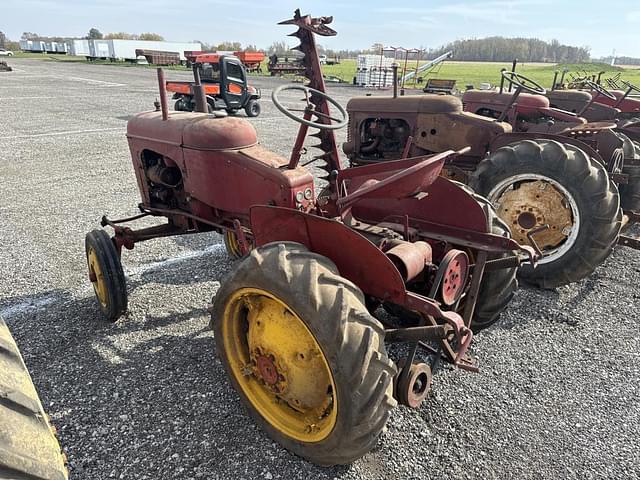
{"type": "Point", "coordinates": [478, 72]}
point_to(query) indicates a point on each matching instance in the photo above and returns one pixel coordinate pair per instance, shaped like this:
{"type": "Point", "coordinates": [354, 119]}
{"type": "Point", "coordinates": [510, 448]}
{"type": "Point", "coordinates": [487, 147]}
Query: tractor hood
{"type": "Point", "coordinates": [411, 104]}
{"type": "Point", "coordinates": [193, 130]}
{"type": "Point", "coordinates": [572, 95]}
{"type": "Point", "coordinates": [503, 99]}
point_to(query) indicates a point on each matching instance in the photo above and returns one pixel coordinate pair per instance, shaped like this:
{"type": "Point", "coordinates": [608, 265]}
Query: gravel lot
{"type": "Point", "coordinates": [558, 395]}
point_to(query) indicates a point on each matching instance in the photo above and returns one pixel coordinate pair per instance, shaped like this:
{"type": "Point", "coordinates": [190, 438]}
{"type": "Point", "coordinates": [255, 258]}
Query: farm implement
{"type": "Point", "coordinates": [293, 321]}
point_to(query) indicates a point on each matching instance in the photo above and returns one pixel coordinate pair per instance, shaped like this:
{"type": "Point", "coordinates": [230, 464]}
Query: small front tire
{"type": "Point", "coordinates": [106, 274]}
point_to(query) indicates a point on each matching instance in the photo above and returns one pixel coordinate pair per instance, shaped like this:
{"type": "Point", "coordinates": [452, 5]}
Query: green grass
{"type": "Point", "coordinates": [474, 73]}
{"type": "Point", "coordinates": [48, 57]}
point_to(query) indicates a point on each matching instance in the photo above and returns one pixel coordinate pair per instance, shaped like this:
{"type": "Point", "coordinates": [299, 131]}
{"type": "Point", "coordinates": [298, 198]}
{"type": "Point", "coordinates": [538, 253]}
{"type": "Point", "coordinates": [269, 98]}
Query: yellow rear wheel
{"type": "Point", "coordinates": [304, 354]}
{"type": "Point", "coordinates": [279, 365]}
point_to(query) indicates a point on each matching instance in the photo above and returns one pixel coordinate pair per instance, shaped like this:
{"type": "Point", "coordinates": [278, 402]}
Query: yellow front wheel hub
{"type": "Point", "coordinates": [96, 276]}
{"type": "Point", "coordinates": [279, 365]}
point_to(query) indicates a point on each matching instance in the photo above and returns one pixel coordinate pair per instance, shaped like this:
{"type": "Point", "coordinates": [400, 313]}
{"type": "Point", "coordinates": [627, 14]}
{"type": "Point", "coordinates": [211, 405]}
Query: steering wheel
{"type": "Point", "coordinates": [631, 86]}
{"type": "Point", "coordinates": [600, 89]}
{"type": "Point", "coordinates": [521, 81]}
{"type": "Point", "coordinates": [310, 109]}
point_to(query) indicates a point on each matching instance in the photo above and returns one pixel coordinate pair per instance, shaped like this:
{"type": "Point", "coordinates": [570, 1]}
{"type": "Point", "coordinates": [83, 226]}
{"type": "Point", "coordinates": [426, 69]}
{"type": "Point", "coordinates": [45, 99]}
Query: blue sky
{"type": "Point", "coordinates": [427, 23]}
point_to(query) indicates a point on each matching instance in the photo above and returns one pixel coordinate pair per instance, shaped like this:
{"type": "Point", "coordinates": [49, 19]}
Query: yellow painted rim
{"type": "Point", "coordinates": [99, 284]}
{"type": "Point", "coordinates": [279, 365]}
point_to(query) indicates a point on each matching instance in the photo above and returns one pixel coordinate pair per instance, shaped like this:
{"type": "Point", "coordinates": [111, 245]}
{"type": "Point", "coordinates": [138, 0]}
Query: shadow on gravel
{"type": "Point", "coordinates": [146, 397]}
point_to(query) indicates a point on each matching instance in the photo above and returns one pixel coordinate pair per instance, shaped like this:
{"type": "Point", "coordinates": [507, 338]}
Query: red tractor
{"type": "Point", "coordinates": [224, 79]}
{"type": "Point", "coordinates": [591, 100]}
{"type": "Point", "coordinates": [293, 321]}
{"type": "Point", "coordinates": [550, 175]}
{"type": "Point", "coordinates": [618, 148]}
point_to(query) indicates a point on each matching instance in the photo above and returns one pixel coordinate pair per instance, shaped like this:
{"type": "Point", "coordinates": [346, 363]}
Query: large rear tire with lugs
{"type": "Point", "coordinates": [543, 182]}
{"type": "Point", "coordinates": [498, 286]}
{"type": "Point", "coordinates": [28, 446]}
{"type": "Point", "coordinates": [304, 354]}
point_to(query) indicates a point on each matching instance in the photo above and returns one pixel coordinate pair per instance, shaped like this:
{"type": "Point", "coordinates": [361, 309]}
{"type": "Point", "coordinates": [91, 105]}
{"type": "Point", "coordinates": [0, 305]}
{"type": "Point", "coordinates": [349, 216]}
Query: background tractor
{"type": "Point", "coordinates": [590, 99]}
{"type": "Point", "coordinates": [532, 113]}
{"type": "Point", "coordinates": [224, 79]}
{"type": "Point", "coordinates": [552, 190]}
{"type": "Point", "coordinates": [293, 321]}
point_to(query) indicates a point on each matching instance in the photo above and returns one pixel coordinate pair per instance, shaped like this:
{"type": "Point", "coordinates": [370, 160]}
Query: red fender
{"type": "Point", "coordinates": [356, 257]}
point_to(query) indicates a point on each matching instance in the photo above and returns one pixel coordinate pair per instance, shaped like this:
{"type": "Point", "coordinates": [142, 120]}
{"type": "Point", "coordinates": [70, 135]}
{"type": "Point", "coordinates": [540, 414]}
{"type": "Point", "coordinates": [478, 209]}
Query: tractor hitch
{"type": "Point", "coordinates": [418, 334]}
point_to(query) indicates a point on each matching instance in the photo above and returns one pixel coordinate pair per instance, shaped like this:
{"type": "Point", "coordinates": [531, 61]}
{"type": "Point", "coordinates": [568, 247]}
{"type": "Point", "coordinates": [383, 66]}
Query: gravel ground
{"type": "Point", "coordinates": [558, 395]}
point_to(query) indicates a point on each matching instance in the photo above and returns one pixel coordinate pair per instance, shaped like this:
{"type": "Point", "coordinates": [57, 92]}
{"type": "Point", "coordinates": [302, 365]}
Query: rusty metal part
{"type": "Point", "coordinates": [162, 88]}
{"type": "Point", "coordinates": [531, 237]}
{"type": "Point", "coordinates": [532, 205]}
{"type": "Point", "coordinates": [412, 389]}
{"type": "Point", "coordinates": [243, 242]}
{"type": "Point", "coordinates": [632, 216]}
{"type": "Point", "coordinates": [167, 176]}
{"type": "Point", "coordinates": [415, 334]}
{"type": "Point", "coordinates": [199, 95]}
{"type": "Point", "coordinates": [455, 266]}
{"type": "Point", "coordinates": [474, 289]}
{"type": "Point", "coordinates": [627, 241]}
{"type": "Point", "coordinates": [267, 369]}
{"type": "Point", "coordinates": [410, 258]}
{"type": "Point", "coordinates": [307, 27]}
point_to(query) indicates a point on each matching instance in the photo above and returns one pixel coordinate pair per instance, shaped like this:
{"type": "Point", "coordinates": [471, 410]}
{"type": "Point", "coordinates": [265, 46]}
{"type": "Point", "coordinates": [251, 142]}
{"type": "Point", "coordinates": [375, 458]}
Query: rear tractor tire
{"type": "Point", "coordinates": [538, 182]}
{"type": "Point", "coordinates": [630, 192]}
{"type": "Point", "coordinates": [252, 109]}
{"type": "Point", "coordinates": [28, 446]}
{"type": "Point", "coordinates": [106, 274]}
{"type": "Point", "coordinates": [304, 354]}
{"type": "Point", "coordinates": [498, 286]}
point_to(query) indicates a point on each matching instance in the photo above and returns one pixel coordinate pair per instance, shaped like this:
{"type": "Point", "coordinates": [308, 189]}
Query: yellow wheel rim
{"type": "Point", "coordinates": [279, 365]}
{"type": "Point", "coordinates": [97, 277]}
{"type": "Point", "coordinates": [232, 243]}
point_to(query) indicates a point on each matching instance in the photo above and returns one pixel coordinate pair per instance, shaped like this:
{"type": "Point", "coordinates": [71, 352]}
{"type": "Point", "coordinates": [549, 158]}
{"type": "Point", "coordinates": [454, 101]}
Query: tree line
{"type": "Point", "coordinates": [500, 49]}
{"type": "Point", "coordinates": [490, 49]}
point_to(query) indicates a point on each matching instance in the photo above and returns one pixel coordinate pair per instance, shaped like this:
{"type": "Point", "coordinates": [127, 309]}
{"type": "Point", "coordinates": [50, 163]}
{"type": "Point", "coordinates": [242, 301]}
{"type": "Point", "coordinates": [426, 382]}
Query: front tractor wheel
{"type": "Point", "coordinates": [232, 244]}
{"type": "Point", "coordinates": [106, 274]}
{"type": "Point", "coordinates": [561, 198]}
{"type": "Point", "coordinates": [304, 354]}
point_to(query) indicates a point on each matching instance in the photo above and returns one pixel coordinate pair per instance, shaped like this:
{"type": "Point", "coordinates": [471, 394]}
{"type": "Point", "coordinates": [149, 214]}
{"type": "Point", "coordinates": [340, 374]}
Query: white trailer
{"type": "Point", "coordinates": [78, 48]}
{"type": "Point", "coordinates": [126, 49]}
